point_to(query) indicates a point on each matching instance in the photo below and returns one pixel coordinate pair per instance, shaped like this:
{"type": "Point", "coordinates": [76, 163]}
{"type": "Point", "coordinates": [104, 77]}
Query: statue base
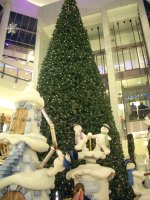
{"type": "Point", "coordinates": [95, 179]}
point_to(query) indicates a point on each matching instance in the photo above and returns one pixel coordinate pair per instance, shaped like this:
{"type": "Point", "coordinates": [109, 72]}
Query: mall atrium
{"type": "Point", "coordinates": [119, 34]}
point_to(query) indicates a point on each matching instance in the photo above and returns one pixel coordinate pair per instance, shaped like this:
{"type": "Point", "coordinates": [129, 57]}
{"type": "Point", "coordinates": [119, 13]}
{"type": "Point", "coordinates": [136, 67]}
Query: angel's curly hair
{"type": "Point", "coordinates": [78, 187]}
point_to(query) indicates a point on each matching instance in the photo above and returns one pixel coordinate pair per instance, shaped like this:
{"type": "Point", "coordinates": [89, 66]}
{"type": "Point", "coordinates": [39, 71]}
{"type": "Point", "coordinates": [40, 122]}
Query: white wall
{"type": "Point", "coordinates": [44, 44]}
{"type": "Point", "coordinates": [18, 63]}
{"type": "Point", "coordinates": [23, 7]}
{"type": "Point", "coordinates": [9, 91]}
{"type": "Point", "coordinates": [41, 47]}
{"type": "Point", "coordinates": [7, 98]}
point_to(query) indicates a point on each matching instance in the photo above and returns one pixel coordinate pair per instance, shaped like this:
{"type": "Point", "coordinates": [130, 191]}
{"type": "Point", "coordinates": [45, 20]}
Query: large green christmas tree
{"type": "Point", "coordinates": [74, 93]}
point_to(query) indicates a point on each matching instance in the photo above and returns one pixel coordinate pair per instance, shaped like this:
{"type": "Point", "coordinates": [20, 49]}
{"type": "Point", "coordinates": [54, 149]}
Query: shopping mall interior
{"type": "Point", "coordinates": [119, 34]}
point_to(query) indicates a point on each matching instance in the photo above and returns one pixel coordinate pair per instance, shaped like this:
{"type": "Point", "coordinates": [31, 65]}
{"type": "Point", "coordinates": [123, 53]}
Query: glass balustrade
{"type": "Point", "coordinates": [15, 72]}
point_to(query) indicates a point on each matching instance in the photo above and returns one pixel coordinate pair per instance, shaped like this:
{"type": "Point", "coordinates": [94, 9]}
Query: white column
{"type": "Point", "coordinates": [37, 51]}
{"type": "Point", "coordinates": [4, 25]}
{"type": "Point", "coordinates": [110, 69]}
{"type": "Point", "coordinates": [41, 46]}
{"type": "Point", "coordinates": [145, 24]}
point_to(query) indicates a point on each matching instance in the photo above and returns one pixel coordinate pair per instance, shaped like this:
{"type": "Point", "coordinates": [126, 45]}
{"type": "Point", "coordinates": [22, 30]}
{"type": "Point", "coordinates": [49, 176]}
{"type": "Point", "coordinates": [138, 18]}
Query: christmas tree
{"type": "Point", "coordinates": [131, 147]}
{"type": "Point", "coordinates": [74, 93]}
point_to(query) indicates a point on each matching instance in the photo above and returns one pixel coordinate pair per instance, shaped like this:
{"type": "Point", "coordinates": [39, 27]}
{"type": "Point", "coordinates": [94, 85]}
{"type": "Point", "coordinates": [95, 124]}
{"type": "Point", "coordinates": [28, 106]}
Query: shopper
{"type": "Point", "coordinates": [141, 111]}
{"type": "Point", "coordinates": [133, 115]}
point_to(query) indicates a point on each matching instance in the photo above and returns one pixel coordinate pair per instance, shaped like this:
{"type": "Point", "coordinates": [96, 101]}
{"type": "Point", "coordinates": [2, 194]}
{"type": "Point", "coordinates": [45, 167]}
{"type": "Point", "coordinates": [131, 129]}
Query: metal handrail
{"type": "Point", "coordinates": [17, 70]}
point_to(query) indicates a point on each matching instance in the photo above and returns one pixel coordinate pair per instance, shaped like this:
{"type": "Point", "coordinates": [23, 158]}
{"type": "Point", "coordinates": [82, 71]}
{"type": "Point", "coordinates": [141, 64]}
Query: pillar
{"type": "Point", "coordinates": [4, 25]}
{"type": "Point", "coordinates": [110, 70]}
{"type": "Point", "coordinates": [145, 24]}
{"type": "Point", "coordinates": [37, 51]}
{"type": "Point", "coordinates": [41, 46]}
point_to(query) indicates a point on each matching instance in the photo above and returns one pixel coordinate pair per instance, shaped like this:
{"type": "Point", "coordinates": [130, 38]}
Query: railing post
{"type": "Point", "coordinates": [31, 75]}
{"type": "Point", "coordinates": [16, 76]}
{"type": "Point", "coordinates": [3, 72]}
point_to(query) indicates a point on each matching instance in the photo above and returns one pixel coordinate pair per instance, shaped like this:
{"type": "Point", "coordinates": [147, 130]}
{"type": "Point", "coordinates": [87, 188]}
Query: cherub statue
{"type": "Point", "coordinates": [80, 138]}
{"type": "Point", "coordinates": [104, 130]}
{"type": "Point", "coordinates": [101, 144]}
{"type": "Point", "coordinates": [102, 139]}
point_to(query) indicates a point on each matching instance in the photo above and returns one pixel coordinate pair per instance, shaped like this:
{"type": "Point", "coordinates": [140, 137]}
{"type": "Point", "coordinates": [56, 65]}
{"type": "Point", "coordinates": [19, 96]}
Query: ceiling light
{"type": "Point", "coordinates": [43, 2]}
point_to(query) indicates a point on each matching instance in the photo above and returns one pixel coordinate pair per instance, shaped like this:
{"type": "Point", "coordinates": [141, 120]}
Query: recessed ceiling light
{"type": "Point", "coordinates": [43, 2]}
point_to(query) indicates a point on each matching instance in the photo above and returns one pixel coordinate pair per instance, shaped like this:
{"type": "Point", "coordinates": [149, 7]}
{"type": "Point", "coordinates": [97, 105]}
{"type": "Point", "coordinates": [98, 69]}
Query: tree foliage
{"type": "Point", "coordinates": [73, 90]}
{"type": "Point", "coordinates": [131, 147]}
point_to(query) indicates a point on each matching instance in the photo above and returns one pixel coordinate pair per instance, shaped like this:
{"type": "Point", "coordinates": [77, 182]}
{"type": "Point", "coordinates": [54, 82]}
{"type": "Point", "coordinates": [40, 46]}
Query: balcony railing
{"type": "Point", "coordinates": [139, 114]}
{"type": "Point", "coordinates": [15, 72]}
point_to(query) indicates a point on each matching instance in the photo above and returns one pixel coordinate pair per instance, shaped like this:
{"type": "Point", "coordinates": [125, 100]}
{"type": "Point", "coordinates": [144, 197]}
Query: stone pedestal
{"type": "Point", "coordinates": [95, 179]}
